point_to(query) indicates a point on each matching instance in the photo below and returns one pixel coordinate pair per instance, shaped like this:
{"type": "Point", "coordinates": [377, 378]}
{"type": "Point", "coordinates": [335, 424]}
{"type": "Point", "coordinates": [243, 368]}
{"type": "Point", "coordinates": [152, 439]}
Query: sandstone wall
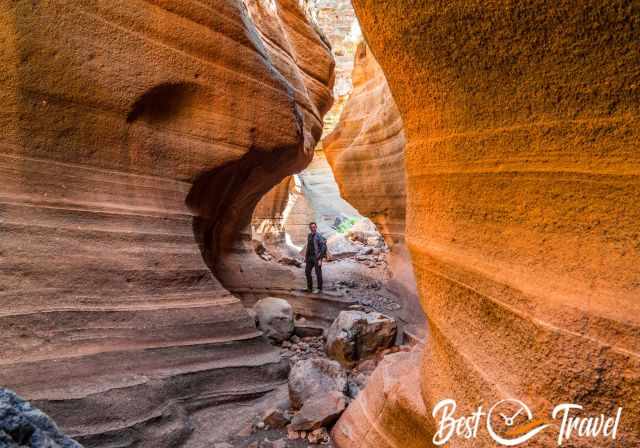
{"type": "Point", "coordinates": [366, 153]}
{"type": "Point", "coordinates": [366, 150]}
{"type": "Point", "coordinates": [137, 137]}
{"type": "Point", "coordinates": [522, 123]}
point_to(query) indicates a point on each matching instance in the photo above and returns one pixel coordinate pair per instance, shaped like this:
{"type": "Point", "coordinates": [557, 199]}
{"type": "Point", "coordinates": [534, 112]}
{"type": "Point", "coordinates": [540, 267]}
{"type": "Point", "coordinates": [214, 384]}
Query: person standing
{"type": "Point", "coordinates": [316, 251]}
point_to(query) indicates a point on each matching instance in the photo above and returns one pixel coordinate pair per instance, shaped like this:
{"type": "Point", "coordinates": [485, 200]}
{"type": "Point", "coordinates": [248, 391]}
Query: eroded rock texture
{"type": "Point", "coordinates": [366, 153]}
{"type": "Point", "coordinates": [137, 136]}
{"type": "Point", "coordinates": [522, 123]}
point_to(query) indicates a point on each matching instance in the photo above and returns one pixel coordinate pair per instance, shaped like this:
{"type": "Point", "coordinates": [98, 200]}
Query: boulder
{"type": "Point", "coordinates": [275, 318]}
{"type": "Point", "coordinates": [315, 377]}
{"type": "Point", "coordinates": [321, 410]}
{"type": "Point", "coordinates": [364, 225]}
{"type": "Point", "coordinates": [22, 425]}
{"type": "Point", "coordinates": [355, 335]}
{"type": "Point", "coordinates": [339, 246]}
{"type": "Point", "coordinates": [362, 231]}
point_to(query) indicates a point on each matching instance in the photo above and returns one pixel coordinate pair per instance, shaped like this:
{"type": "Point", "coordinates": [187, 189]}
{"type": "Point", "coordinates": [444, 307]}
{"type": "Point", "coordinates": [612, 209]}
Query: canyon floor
{"type": "Point", "coordinates": [357, 281]}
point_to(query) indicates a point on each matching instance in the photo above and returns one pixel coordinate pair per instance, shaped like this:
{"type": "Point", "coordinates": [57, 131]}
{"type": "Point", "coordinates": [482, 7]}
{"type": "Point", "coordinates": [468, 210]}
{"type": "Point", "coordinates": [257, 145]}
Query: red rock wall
{"type": "Point", "coordinates": [137, 137]}
{"type": "Point", "coordinates": [522, 123]}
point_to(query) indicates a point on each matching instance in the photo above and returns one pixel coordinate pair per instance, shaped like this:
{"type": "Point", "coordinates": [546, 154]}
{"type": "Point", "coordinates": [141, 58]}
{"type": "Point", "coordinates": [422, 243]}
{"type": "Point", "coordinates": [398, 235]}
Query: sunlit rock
{"type": "Point", "coordinates": [522, 122]}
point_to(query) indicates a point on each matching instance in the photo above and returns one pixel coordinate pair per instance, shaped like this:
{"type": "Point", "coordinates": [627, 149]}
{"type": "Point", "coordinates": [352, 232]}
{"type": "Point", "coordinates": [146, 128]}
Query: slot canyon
{"type": "Point", "coordinates": [473, 167]}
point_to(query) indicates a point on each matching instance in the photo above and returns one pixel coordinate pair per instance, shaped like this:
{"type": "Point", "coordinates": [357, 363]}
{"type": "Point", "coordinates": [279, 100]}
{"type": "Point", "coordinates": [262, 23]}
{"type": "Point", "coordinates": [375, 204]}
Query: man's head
{"type": "Point", "coordinates": [313, 227]}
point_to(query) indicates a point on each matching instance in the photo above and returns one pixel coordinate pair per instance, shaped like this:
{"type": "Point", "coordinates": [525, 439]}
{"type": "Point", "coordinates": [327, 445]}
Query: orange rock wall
{"type": "Point", "coordinates": [137, 138]}
{"type": "Point", "coordinates": [523, 126]}
{"type": "Point", "coordinates": [366, 153]}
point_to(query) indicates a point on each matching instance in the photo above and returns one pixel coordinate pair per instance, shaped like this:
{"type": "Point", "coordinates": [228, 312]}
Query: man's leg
{"type": "Point", "coordinates": [319, 275]}
{"type": "Point", "coordinates": [307, 271]}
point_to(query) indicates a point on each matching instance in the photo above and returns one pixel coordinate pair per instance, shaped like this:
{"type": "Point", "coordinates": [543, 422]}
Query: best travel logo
{"type": "Point", "coordinates": [510, 422]}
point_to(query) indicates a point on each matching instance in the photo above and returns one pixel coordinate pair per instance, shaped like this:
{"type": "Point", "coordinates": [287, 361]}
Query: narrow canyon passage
{"type": "Point", "coordinates": [473, 166]}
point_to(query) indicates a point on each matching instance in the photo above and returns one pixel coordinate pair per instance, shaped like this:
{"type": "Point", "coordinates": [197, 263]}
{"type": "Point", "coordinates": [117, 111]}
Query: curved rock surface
{"type": "Point", "coordinates": [366, 150]}
{"type": "Point", "coordinates": [522, 123]}
{"type": "Point", "coordinates": [366, 153]}
{"type": "Point", "coordinates": [137, 137]}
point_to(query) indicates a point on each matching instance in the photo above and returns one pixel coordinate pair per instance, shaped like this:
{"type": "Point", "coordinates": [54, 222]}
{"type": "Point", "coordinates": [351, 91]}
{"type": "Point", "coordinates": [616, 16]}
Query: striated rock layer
{"type": "Point", "coordinates": [366, 153]}
{"type": "Point", "coordinates": [522, 123]}
{"type": "Point", "coordinates": [137, 137]}
{"type": "Point", "coordinates": [366, 150]}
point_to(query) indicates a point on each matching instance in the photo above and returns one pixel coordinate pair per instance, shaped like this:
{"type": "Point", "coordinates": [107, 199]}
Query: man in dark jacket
{"type": "Point", "coordinates": [316, 251]}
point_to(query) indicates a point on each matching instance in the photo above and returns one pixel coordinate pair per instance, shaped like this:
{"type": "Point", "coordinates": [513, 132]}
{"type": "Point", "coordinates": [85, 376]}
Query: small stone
{"type": "Point", "coordinates": [292, 435]}
{"type": "Point", "coordinates": [318, 436]}
{"type": "Point", "coordinates": [288, 261]}
{"type": "Point", "coordinates": [277, 418]}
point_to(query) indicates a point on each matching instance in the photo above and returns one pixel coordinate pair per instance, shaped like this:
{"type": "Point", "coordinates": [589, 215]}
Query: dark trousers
{"type": "Point", "coordinates": [310, 264]}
